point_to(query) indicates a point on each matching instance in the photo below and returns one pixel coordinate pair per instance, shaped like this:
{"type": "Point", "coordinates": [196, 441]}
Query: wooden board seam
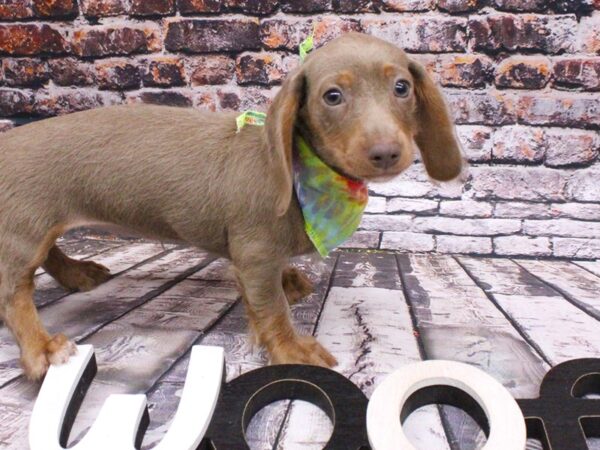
{"type": "Point", "coordinates": [586, 269]}
{"type": "Point", "coordinates": [197, 341]}
{"type": "Point", "coordinates": [513, 322]}
{"type": "Point", "coordinates": [568, 297]}
{"type": "Point", "coordinates": [422, 352]}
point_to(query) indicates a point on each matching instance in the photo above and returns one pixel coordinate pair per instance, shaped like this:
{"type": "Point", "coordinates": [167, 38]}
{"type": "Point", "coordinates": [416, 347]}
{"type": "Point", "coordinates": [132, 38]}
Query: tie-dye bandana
{"type": "Point", "coordinates": [332, 204]}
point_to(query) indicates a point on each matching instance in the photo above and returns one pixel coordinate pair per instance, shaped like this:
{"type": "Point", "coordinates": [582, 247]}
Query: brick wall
{"type": "Point", "coordinates": [522, 78]}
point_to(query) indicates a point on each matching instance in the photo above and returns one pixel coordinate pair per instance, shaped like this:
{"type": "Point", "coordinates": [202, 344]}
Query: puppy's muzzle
{"type": "Point", "coordinates": [384, 156]}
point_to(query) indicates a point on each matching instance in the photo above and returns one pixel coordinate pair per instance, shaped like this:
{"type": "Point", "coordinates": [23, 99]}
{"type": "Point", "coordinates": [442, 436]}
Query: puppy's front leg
{"type": "Point", "coordinates": [38, 348]}
{"type": "Point", "coordinates": [269, 316]}
{"type": "Point", "coordinates": [296, 285]}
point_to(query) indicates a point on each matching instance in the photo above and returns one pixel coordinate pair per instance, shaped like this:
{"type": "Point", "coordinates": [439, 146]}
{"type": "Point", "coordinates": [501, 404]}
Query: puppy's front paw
{"type": "Point", "coordinates": [302, 350]}
{"type": "Point", "coordinates": [56, 351]}
{"type": "Point", "coordinates": [59, 349]}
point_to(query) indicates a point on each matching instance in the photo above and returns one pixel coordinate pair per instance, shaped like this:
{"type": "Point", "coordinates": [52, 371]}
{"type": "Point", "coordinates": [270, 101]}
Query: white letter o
{"type": "Point", "coordinates": [505, 419]}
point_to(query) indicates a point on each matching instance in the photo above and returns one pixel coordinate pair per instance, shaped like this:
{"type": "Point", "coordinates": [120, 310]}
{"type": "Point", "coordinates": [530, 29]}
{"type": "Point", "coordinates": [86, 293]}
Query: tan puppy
{"type": "Point", "coordinates": [185, 175]}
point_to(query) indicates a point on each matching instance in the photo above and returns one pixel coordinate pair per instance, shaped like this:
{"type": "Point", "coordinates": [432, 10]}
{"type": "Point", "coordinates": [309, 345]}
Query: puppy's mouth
{"type": "Point", "coordinates": [365, 174]}
{"type": "Point", "coordinates": [381, 176]}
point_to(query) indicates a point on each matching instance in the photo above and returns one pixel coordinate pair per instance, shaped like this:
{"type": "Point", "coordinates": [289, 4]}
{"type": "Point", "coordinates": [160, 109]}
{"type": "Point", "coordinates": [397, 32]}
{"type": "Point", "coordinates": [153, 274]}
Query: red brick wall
{"type": "Point", "coordinates": [522, 78]}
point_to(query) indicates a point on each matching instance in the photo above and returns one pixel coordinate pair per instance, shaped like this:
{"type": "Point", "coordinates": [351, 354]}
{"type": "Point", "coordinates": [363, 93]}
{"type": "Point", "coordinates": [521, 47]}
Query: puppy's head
{"type": "Point", "coordinates": [363, 104]}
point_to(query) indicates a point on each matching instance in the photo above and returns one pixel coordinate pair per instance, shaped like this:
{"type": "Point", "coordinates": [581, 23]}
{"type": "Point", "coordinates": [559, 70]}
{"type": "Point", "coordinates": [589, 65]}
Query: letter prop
{"type": "Point", "coordinates": [213, 415]}
{"type": "Point", "coordinates": [561, 417]}
{"type": "Point", "coordinates": [123, 418]}
{"type": "Point", "coordinates": [338, 397]}
{"type": "Point", "coordinates": [444, 382]}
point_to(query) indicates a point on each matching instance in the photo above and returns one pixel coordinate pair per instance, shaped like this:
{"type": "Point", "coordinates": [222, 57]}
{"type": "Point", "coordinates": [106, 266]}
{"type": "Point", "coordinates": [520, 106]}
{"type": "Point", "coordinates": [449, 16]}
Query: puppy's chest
{"type": "Point", "coordinates": [300, 243]}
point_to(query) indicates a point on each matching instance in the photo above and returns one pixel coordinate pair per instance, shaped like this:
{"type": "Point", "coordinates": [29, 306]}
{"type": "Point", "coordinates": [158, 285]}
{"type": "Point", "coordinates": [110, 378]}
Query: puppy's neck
{"type": "Point", "coordinates": [332, 204]}
{"type": "Point", "coordinates": [317, 148]}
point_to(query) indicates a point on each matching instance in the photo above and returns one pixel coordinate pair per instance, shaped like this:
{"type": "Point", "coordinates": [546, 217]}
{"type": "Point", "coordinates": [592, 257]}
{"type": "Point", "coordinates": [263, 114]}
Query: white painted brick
{"type": "Point", "coordinates": [570, 146]}
{"type": "Point", "coordinates": [518, 144]}
{"type": "Point", "coordinates": [519, 210]}
{"type": "Point", "coordinates": [362, 239]}
{"type": "Point", "coordinates": [555, 146]}
{"type": "Point", "coordinates": [474, 227]}
{"type": "Point", "coordinates": [562, 227]}
{"type": "Point", "coordinates": [584, 185]}
{"type": "Point", "coordinates": [417, 32]}
{"type": "Point", "coordinates": [522, 183]}
{"type": "Point", "coordinates": [465, 208]}
{"type": "Point", "coordinates": [413, 242]}
{"type": "Point", "coordinates": [585, 211]}
{"type": "Point", "coordinates": [588, 39]}
{"type": "Point", "coordinates": [415, 182]}
{"type": "Point", "coordinates": [464, 244]}
{"type": "Point", "coordinates": [576, 248]}
{"type": "Point", "coordinates": [387, 222]}
{"type": "Point", "coordinates": [376, 205]}
{"type": "Point", "coordinates": [412, 205]}
{"type": "Point", "coordinates": [400, 186]}
{"type": "Point", "coordinates": [566, 109]}
{"type": "Point", "coordinates": [476, 142]}
{"type": "Point", "coordinates": [449, 189]}
{"type": "Point", "coordinates": [478, 107]}
{"type": "Point", "coordinates": [522, 245]}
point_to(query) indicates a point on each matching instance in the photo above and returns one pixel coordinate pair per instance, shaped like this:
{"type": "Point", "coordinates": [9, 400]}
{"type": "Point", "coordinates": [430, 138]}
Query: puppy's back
{"type": "Point", "coordinates": [141, 166]}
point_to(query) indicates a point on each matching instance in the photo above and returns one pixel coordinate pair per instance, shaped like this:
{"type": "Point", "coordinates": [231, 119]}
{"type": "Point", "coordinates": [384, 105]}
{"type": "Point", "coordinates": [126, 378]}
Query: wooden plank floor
{"type": "Point", "coordinates": [375, 311]}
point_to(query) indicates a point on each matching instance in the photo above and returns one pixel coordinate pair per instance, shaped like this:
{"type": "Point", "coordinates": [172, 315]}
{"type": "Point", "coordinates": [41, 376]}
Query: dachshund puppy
{"type": "Point", "coordinates": [184, 175]}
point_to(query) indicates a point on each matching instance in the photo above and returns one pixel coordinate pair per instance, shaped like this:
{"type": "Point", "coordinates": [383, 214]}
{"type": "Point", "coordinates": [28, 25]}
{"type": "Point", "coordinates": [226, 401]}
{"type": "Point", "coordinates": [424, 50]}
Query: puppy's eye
{"type": "Point", "coordinates": [333, 97]}
{"type": "Point", "coordinates": [401, 88]}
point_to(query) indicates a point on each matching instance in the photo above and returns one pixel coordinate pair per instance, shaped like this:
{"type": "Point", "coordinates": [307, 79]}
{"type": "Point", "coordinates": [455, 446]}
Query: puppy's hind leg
{"type": "Point", "coordinates": [18, 262]}
{"type": "Point", "coordinates": [73, 274]}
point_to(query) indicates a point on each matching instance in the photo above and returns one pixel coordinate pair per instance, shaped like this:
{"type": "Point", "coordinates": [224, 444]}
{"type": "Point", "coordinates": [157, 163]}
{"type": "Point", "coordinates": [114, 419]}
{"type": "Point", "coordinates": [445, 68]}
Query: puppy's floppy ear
{"type": "Point", "coordinates": [280, 122]}
{"type": "Point", "coordinates": [435, 138]}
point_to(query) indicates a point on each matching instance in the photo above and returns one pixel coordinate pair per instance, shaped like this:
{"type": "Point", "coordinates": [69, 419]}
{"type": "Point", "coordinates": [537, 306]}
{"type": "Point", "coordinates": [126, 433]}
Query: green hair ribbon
{"type": "Point", "coordinates": [307, 45]}
{"type": "Point", "coordinates": [250, 118]}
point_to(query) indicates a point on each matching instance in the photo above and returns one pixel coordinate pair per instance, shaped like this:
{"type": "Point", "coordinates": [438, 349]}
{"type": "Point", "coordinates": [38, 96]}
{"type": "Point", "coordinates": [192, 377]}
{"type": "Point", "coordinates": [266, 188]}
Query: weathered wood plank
{"type": "Point", "coordinates": [369, 329]}
{"type": "Point", "coordinates": [560, 330]}
{"type": "Point", "coordinates": [87, 247]}
{"type": "Point", "coordinates": [575, 283]}
{"type": "Point", "coordinates": [592, 266]}
{"type": "Point", "coordinates": [82, 313]}
{"type": "Point", "coordinates": [136, 349]}
{"type": "Point", "coordinates": [557, 328]}
{"type": "Point", "coordinates": [118, 259]}
{"type": "Point", "coordinates": [457, 321]}
{"type": "Point", "coordinates": [231, 333]}
{"type": "Point", "coordinates": [367, 270]}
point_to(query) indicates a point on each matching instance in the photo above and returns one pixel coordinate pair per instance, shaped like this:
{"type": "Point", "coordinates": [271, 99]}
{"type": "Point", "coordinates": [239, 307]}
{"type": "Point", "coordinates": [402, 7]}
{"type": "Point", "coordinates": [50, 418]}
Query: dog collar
{"type": "Point", "coordinates": [332, 204]}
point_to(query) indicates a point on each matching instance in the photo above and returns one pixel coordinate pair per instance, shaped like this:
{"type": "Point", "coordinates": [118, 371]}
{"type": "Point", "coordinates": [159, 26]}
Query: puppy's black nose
{"type": "Point", "coordinates": [384, 156]}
